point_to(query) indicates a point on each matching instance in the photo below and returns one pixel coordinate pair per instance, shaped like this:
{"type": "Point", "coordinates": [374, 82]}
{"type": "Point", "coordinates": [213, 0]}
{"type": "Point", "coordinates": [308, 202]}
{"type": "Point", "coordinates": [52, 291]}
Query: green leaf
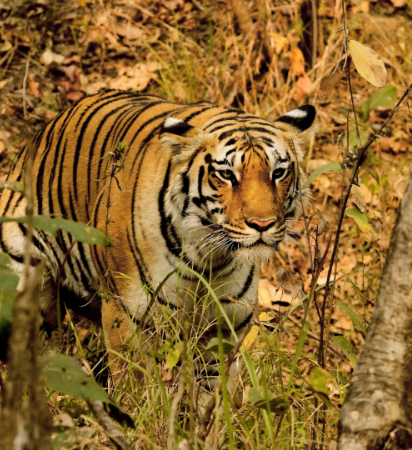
{"type": "Point", "coordinates": [13, 185]}
{"type": "Point", "coordinates": [361, 219]}
{"type": "Point", "coordinates": [385, 97]}
{"type": "Point", "coordinates": [353, 139]}
{"type": "Point", "coordinates": [324, 399]}
{"type": "Point", "coordinates": [346, 347]}
{"type": "Point", "coordinates": [336, 167]}
{"type": "Point", "coordinates": [356, 321]}
{"type": "Point", "coordinates": [8, 279]}
{"type": "Point", "coordinates": [265, 399]}
{"type": "Point", "coordinates": [8, 284]}
{"type": "Point", "coordinates": [64, 374]}
{"type": "Point", "coordinates": [356, 287]}
{"type": "Point", "coordinates": [213, 345]}
{"type": "Point", "coordinates": [338, 377]}
{"type": "Point", "coordinates": [172, 358]}
{"type": "Point", "coordinates": [364, 112]}
{"type": "Point", "coordinates": [6, 308]}
{"type": "Point", "coordinates": [318, 378]}
{"type": "Point", "coordinates": [80, 231]}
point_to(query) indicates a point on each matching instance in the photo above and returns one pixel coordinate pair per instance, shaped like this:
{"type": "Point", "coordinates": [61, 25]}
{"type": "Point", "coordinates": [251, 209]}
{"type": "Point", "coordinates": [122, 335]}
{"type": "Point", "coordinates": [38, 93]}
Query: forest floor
{"type": "Point", "coordinates": [265, 57]}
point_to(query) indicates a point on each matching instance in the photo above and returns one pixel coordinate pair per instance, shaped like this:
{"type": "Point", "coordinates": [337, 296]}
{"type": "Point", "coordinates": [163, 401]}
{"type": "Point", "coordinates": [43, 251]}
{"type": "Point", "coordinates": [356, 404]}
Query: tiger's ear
{"type": "Point", "coordinates": [179, 135]}
{"type": "Point", "coordinates": [300, 123]}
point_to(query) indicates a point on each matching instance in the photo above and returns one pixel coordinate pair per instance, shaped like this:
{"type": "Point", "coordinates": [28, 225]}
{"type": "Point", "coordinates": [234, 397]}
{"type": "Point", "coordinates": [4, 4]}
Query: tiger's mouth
{"type": "Point", "coordinates": [224, 241]}
{"type": "Point", "coordinates": [259, 243]}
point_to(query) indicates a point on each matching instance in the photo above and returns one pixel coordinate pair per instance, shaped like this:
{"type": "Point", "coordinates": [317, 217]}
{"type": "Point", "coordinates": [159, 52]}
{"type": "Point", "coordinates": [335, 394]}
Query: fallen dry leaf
{"type": "Point", "coordinates": [63, 420]}
{"type": "Point", "coordinates": [323, 222]}
{"type": "Point", "coordinates": [358, 198]}
{"type": "Point", "coordinates": [290, 281]}
{"type": "Point", "coordinates": [136, 78]}
{"type": "Point", "coordinates": [347, 263]}
{"type": "Point", "coordinates": [2, 147]}
{"type": "Point", "coordinates": [372, 214]}
{"type": "Point", "coordinates": [398, 3]}
{"type": "Point", "coordinates": [167, 377]}
{"type": "Point", "coordinates": [271, 298]}
{"type": "Point", "coordinates": [4, 83]}
{"type": "Point", "coordinates": [33, 86]}
{"type": "Point", "coordinates": [303, 88]}
{"type": "Point", "coordinates": [390, 144]}
{"type": "Point", "coordinates": [49, 56]}
{"type": "Point", "coordinates": [279, 42]}
{"type": "Point", "coordinates": [297, 61]}
{"type": "Point", "coordinates": [73, 83]}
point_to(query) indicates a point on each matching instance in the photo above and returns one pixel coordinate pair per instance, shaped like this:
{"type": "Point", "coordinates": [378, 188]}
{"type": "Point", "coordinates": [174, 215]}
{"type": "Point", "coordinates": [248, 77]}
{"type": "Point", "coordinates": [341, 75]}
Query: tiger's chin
{"type": "Point", "coordinates": [257, 254]}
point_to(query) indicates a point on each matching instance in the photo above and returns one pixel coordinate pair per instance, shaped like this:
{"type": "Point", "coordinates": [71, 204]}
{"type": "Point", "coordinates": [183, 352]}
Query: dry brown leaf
{"type": "Point", "coordinates": [358, 198]}
{"type": "Point", "coordinates": [303, 88]}
{"type": "Point", "coordinates": [49, 56]}
{"type": "Point", "coordinates": [395, 146]}
{"type": "Point", "coordinates": [297, 61]}
{"type": "Point", "coordinates": [372, 214]}
{"type": "Point", "coordinates": [136, 78]}
{"type": "Point", "coordinates": [63, 420]}
{"type": "Point", "coordinates": [167, 377]}
{"type": "Point", "coordinates": [73, 86]}
{"type": "Point", "coordinates": [130, 32]}
{"type": "Point", "coordinates": [368, 232]}
{"type": "Point", "coordinates": [271, 298]}
{"type": "Point", "coordinates": [399, 3]}
{"type": "Point", "coordinates": [364, 6]}
{"type": "Point", "coordinates": [290, 281]}
{"type": "Point", "coordinates": [279, 42]}
{"type": "Point", "coordinates": [324, 222]}
{"type": "Point", "coordinates": [347, 263]}
{"type": "Point", "coordinates": [4, 83]}
{"type": "Point", "coordinates": [368, 63]}
{"type": "Point", "coordinates": [33, 86]}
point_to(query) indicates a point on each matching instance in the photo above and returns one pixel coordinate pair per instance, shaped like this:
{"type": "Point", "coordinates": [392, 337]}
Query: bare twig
{"type": "Point", "coordinates": [315, 32]}
{"type": "Point", "coordinates": [26, 74]}
{"type": "Point", "coordinates": [109, 427]}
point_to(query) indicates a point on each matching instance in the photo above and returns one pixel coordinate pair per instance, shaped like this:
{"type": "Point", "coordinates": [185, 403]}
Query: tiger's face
{"type": "Point", "coordinates": [235, 189]}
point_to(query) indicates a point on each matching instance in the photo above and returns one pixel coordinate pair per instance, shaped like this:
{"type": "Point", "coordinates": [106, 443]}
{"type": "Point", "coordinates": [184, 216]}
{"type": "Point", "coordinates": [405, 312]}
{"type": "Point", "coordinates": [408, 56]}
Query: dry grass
{"type": "Point", "coordinates": [230, 52]}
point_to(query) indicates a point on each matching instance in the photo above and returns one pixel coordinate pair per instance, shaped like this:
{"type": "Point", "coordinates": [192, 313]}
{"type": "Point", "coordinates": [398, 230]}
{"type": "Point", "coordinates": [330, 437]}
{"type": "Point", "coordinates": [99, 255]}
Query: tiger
{"type": "Point", "coordinates": [202, 192]}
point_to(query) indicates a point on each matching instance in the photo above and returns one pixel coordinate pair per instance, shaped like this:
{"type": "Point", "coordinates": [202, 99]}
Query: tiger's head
{"type": "Point", "coordinates": [235, 181]}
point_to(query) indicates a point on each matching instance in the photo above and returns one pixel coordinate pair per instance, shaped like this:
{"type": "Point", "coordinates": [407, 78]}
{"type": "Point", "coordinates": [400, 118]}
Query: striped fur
{"type": "Point", "coordinates": [203, 186]}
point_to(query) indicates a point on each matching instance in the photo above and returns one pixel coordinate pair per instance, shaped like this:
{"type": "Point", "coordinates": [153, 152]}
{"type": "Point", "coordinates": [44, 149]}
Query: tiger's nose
{"type": "Point", "coordinates": [261, 225]}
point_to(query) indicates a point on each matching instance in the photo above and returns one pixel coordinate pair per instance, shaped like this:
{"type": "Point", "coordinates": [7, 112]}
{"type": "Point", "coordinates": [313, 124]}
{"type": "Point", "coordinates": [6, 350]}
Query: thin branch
{"type": "Point", "coordinates": [109, 427]}
{"type": "Point", "coordinates": [359, 162]}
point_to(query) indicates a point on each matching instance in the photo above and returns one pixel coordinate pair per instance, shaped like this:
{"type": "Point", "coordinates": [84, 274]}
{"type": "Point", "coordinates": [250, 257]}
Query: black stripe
{"type": "Point", "coordinates": [247, 284]}
{"type": "Point", "coordinates": [97, 107]}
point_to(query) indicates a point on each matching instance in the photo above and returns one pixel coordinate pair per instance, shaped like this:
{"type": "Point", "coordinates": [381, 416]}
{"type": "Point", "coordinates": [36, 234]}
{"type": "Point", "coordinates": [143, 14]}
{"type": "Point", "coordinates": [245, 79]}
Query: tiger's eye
{"type": "Point", "coordinates": [226, 174]}
{"type": "Point", "coordinates": [278, 173]}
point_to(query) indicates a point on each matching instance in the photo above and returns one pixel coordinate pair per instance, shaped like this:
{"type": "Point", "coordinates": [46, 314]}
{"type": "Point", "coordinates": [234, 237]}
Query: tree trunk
{"type": "Point", "coordinates": [378, 404]}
